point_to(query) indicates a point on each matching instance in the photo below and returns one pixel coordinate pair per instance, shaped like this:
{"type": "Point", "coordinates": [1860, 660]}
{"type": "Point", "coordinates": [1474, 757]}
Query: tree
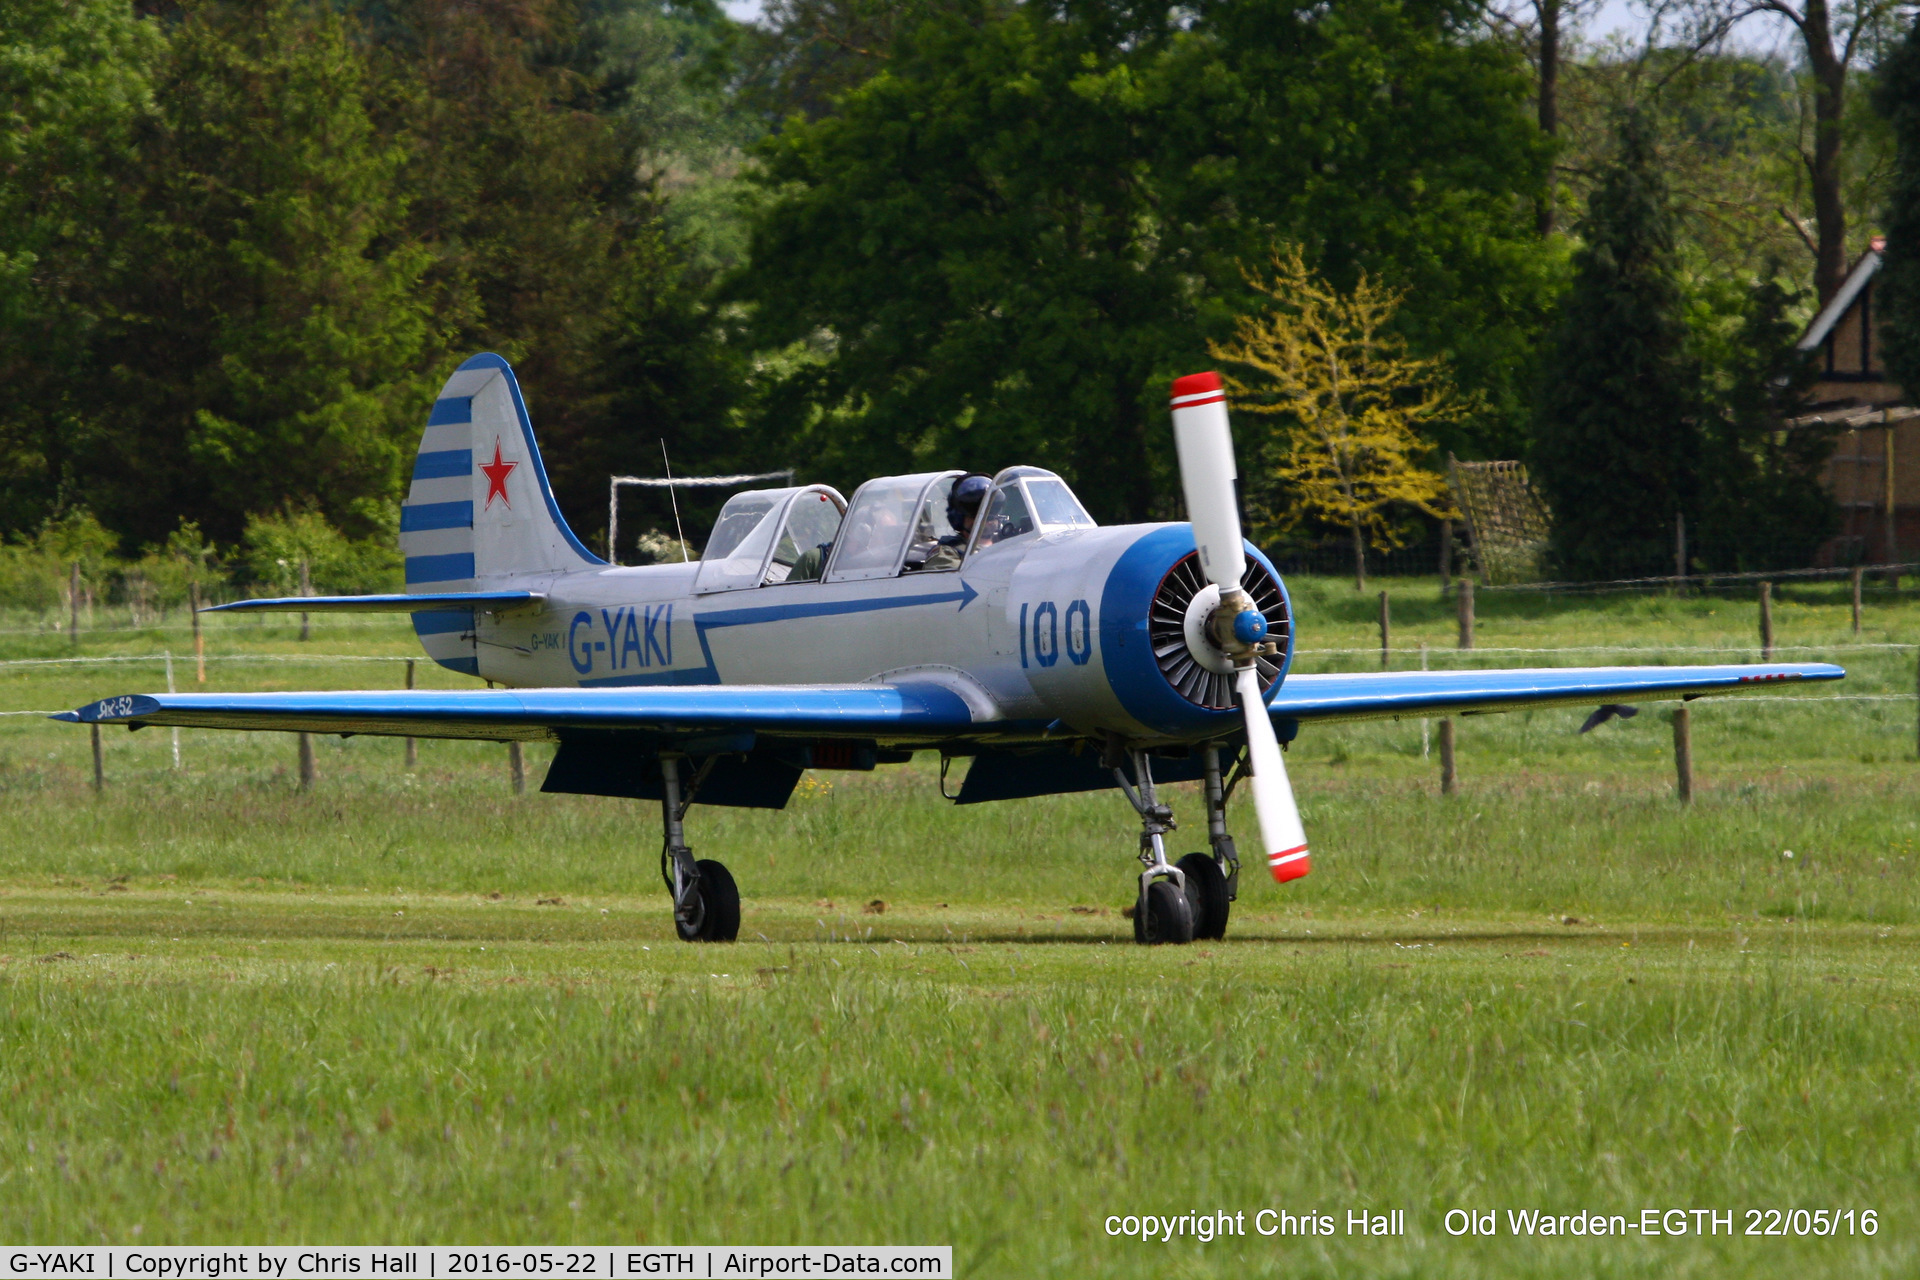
{"type": "Point", "coordinates": [1898, 291]}
{"type": "Point", "coordinates": [1349, 402]}
{"type": "Point", "coordinates": [265, 333]}
{"type": "Point", "coordinates": [970, 243]}
{"type": "Point", "coordinates": [1543, 27]}
{"type": "Point", "coordinates": [1832, 34]}
{"type": "Point", "coordinates": [1618, 441]}
{"type": "Point", "coordinates": [1003, 244]}
{"type": "Point", "coordinates": [528, 129]}
{"type": "Point", "coordinates": [75, 80]}
{"type": "Point", "coordinates": [1394, 138]}
{"type": "Point", "coordinates": [1762, 505]}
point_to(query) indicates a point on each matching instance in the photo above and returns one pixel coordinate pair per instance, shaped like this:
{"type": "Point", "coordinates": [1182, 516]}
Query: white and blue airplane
{"type": "Point", "coordinates": [817, 632]}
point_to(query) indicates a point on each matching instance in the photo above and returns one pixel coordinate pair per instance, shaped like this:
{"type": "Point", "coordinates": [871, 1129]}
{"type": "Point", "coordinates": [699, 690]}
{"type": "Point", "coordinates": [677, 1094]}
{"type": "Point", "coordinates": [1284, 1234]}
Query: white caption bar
{"type": "Point", "coordinates": [445, 1262]}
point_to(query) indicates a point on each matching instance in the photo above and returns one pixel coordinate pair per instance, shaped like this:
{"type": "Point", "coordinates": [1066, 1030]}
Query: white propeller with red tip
{"type": "Point", "coordinates": [1205, 445]}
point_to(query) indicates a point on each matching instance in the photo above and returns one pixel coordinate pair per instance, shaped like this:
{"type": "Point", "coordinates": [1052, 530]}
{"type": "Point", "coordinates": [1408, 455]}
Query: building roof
{"type": "Point", "coordinates": [1856, 280]}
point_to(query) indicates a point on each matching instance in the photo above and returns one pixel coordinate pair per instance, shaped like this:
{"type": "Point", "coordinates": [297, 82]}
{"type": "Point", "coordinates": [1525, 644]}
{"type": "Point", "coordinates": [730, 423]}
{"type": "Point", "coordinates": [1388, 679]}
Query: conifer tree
{"type": "Point", "coordinates": [1618, 442]}
{"type": "Point", "coordinates": [1762, 505]}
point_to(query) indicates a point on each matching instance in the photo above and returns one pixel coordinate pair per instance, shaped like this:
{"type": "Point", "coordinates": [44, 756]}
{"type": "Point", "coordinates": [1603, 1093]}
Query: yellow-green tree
{"type": "Point", "coordinates": [1346, 400]}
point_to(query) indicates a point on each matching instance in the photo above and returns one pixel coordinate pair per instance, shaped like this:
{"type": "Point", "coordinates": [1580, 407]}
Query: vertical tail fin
{"type": "Point", "coordinates": [480, 512]}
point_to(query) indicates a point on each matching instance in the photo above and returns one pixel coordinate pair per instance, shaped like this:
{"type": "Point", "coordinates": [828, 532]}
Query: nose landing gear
{"type": "Point", "coordinates": [1178, 903]}
{"type": "Point", "coordinates": [706, 902]}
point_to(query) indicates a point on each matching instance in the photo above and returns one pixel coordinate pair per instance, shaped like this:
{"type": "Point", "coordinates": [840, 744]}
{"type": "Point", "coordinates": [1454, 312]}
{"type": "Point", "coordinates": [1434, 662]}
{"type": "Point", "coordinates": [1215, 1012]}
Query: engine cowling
{"type": "Point", "coordinates": [1111, 637]}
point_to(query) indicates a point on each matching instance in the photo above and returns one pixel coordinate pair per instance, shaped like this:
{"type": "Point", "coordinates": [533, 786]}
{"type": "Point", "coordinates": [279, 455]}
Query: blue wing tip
{"type": "Point", "coordinates": [71, 717]}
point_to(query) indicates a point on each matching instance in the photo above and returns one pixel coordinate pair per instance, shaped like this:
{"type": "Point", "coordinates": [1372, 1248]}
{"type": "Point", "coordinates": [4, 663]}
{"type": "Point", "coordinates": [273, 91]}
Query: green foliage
{"type": "Point", "coordinates": [1662, 401]}
{"type": "Point", "coordinates": [240, 245]}
{"type": "Point", "coordinates": [277, 546]}
{"type": "Point", "coordinates": [1897, 287]}
{"type": "Point", "coordinates": [1618, 442]}
{"type": "Point", "coordinates": [1386, 138]}
{"type": "Point", "coordinates": [1761, 502]}
{"type": "Point", "coordinates": [1001, 245]}
{"type": "Point", "coordinates": [530, 182]}
{"type": "Point", "coordinates": [75, 81]}
{"type": "Point", "coordinates": [268, 334]}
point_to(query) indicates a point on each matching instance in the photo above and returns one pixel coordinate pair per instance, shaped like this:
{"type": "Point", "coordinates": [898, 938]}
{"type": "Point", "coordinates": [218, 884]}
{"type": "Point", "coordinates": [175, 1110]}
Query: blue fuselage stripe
{"type": "Point", "coordinates": [442, 464]}
{"type": "Point", "coordinates": [439, 568]}
{"type": "Point", "coordinates": [451, 411]}
{"type": "Point", "coordinates": [436, 515]}
{"type": "Point", "coordinates": [828, 608]}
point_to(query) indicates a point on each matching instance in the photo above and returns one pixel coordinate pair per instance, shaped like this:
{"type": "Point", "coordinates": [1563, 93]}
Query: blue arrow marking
{"type": "Point", "coordinates": [710, 674]}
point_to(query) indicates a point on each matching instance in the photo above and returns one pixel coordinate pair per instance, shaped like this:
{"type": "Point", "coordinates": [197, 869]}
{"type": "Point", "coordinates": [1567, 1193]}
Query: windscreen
{"type": "Point", "coordinates": [876, 527]}
{"type": "Point", "coordinates": [737, 519]}
{"type": "Point", "coordinates": [1054, 504]}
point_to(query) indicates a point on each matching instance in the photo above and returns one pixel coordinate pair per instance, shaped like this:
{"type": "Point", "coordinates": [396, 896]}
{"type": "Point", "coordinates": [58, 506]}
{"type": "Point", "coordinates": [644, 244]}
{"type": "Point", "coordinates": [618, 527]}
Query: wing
{"type": "Point", "coordinates": [489, 601]}
{"type": "Point", "coordinates": [907, 711]}
{"type": "Point", "coordinates": [1377, 695]}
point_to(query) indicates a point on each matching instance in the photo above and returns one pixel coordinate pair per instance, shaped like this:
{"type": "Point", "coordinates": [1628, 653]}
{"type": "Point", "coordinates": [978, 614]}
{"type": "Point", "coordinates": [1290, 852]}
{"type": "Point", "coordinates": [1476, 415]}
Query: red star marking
{"type": "Point", "coordinates": [497, 473]}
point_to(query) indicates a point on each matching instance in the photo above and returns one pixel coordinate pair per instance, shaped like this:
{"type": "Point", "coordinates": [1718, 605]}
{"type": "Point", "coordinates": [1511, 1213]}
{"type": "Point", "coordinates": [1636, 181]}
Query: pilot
{"type": "Point", "coordinates": [963, 509]}
{"type": "Point", "coordinates": [812, 560]}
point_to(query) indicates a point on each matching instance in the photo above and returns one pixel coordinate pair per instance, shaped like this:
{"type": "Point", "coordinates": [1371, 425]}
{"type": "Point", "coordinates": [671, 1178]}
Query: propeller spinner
{"type": "Point", "coordinates": [1204, 442]}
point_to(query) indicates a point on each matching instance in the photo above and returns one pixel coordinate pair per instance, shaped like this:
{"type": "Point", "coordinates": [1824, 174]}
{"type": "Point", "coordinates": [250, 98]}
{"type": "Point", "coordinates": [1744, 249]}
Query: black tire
{"type": "Point", "coordinates": [1206, 895]}
{"type": "Point", "coordinates": [719, 915]}
{"type": "Point", "coordinates": [1166, 916]}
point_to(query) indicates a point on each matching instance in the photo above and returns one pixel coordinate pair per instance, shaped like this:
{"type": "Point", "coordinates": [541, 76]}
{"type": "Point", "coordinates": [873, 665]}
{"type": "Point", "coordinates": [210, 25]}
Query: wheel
{"type": "Point", "coordinates": [1164, 916]}
{"type": "Point", "coordinates": [718, 916]}
{"type": "Point", "coordinates": [1206, 895]}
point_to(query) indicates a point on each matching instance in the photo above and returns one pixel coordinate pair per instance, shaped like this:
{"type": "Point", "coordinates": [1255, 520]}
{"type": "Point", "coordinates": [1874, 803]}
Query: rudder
{"type": "Point", "coordinates": [480, 510]}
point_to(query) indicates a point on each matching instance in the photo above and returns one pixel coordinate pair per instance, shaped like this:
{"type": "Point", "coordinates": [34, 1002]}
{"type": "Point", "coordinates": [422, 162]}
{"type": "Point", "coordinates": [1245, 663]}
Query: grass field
{"type": "Point", "coordinates": [417, 1007]}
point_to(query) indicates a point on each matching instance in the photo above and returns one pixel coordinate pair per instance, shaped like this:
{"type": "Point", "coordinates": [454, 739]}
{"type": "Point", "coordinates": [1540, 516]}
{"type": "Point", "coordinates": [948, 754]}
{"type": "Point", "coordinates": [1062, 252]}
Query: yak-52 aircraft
{"type": "Point", "coordinates": [820, 633]}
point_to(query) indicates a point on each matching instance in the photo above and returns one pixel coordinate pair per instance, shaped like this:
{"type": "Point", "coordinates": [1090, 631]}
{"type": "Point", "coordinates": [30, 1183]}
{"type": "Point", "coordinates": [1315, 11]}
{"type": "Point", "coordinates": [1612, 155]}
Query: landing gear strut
{"type": "Point", "coordinates": [1162, 912]}
{"type": "Point", "coordinates": [706, 902]}
{"type": "Point", "coordinates": [1213, 880]}
{"type": "Point", "coordinates": [1191, 899]}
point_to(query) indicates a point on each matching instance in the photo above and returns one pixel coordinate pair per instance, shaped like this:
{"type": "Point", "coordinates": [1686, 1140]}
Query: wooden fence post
{"type": "Point", "coordinates": [1448, 779]}
{"type": "Point", "coordinates": [1893, 531]}
{"type": "Point", "coordinates": [1858, 573]}
{"type": "Point", "coordinates": [306, 589]}
{"type": "Point", "coordinates": [1466, 613]}
{"type": "Point", "coordinates": [199, 646]}
{"type": "Point", "coordinates": [99, 763]}
{"type": "Point", "coordinates": [306, 761]}
{"type": "Point", "coordinates": [517, 766]}
{"type": "Point", "coordinates": [1386, 632]}
{"type": "Point", "coordinates": [1425, 726]}
{"type": "Point", "coordinates": [1683, 753]}
{"type": "Point", "coordinates": [176, 728]}
{"type": "Point", "coordinates": [1766, 622]}
{"type": "Point", "coordinates": [413, 744]}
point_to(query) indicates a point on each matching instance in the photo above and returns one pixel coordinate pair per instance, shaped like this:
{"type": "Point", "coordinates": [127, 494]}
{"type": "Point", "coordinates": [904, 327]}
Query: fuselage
{"type": "Point", "coordinates": [1040, 634]}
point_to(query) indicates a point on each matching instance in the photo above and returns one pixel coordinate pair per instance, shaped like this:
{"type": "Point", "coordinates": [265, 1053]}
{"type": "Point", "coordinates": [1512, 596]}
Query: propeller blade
{"type": "Point", "coordinates": [1281, 833]}
{"type": "Point", "coordinates": [1204, 443]}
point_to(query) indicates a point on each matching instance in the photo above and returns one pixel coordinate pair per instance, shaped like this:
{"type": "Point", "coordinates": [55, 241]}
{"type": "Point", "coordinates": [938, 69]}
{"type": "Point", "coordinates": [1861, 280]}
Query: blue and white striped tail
{"type": "Point", "coordinates": [480, 515]}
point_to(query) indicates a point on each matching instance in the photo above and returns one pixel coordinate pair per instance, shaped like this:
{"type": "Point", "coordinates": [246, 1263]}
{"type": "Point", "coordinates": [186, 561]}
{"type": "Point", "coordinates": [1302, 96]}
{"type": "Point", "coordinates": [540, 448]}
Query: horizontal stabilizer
{"type": "Point", "coordinates": [895, 712]}
{"type": "Point", "coordinates": [1377, 695]}
{"type": "Point", "coordinates": [490, 601]}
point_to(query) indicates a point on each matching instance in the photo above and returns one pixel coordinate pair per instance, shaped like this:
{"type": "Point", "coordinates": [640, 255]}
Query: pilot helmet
{"type": "Point", "coordinates": [964, 501]}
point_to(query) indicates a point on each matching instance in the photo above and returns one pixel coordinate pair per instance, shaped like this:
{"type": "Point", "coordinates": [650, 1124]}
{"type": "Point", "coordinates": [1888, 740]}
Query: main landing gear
{"type": "Point", "coordinates": [1180, 902]}
{"type": "Point", "coordinates": [706, 902]}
